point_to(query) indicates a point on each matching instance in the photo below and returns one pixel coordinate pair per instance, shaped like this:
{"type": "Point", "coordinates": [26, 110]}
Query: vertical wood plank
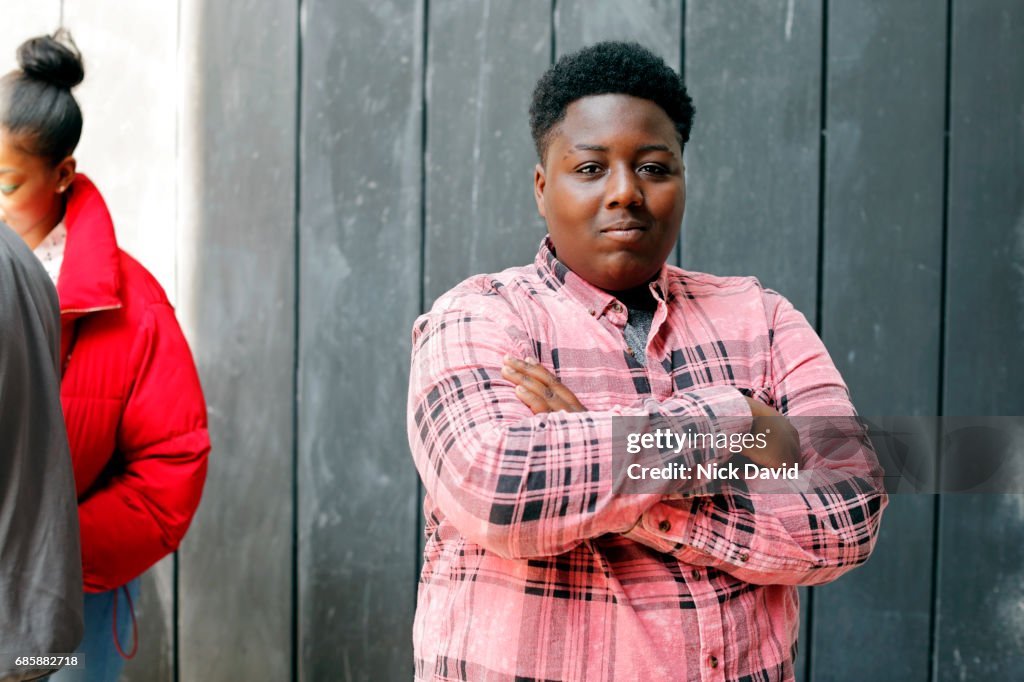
{"type": "Point", "coordinates": [753, 159]}
{"type": "Point", "coordinates": [484, 60]}
{"type": "Point", "coordinates": [985, 300]}
{"type": "Point", "coordinates": [655, 24]}
{"type": "Point", "coordinates": [980, 633]}
{"type": "Point", "coordinates": [754, 156]}
{"type": "Point", "coordinates": [236, 177]}
{"type": "Point", "coordinates": [127, 148]}
{"type": "Point", "coordinates": [360, 239]}
{"type": "Point", "coordinates": [884, 186]}
{"type": "Point", "coordinates": [881, 305]}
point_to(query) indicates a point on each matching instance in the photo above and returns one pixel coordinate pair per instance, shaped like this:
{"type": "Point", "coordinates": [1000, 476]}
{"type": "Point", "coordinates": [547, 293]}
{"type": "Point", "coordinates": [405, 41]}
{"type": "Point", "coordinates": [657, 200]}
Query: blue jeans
{"type": "Point", "coordinates": [103, 663]}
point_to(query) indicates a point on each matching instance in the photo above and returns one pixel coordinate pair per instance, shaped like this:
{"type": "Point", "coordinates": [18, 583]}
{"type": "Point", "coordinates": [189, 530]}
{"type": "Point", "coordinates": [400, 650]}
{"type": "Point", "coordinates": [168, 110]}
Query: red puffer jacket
{"type": "Point", "coordinates": [135, 413]}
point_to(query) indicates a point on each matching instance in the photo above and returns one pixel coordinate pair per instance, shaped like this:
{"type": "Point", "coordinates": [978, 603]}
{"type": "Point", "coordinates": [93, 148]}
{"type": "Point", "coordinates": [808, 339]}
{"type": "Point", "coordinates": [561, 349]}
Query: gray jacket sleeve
{"type": "Point", "coordinates": [40, 559]}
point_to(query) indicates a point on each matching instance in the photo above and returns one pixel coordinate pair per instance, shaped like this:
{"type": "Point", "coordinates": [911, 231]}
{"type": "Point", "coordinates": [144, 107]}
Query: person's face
{"type": "Point", "coordinates": [611, 189]}
{"type": "Point", "coordinates": [31, 189]}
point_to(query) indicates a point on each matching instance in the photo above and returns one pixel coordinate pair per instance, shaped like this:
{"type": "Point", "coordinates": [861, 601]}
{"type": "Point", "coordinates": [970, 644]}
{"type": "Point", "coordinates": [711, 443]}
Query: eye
{"type": "Point", "coordinates": [589, 169]}
{"type": "Point", "coordinates": [7, 189]}
{"type": "Point", "coordinates": [653, 169]}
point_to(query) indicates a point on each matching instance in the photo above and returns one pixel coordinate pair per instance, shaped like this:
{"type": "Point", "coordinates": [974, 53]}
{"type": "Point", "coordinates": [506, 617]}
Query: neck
{"type": "Point", "coordinates": [637, 297]}
{"type": "Point", "coordinates": [36, 234]}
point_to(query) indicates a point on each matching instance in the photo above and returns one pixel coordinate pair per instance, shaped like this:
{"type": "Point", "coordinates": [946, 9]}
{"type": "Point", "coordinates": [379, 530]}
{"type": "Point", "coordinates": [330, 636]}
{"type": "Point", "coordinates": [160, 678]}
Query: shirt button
{"type": "Point", "coordinates": [713, 661]}
{"type": "Point", "coordinates": [744, 556]}
{"type": "Point", "coordinates": [664, 526]}
{"type": "Point", "coordinates": [695, 574]}
{"type": "Point", "coordinates": [592, 312]}
{"type": "Point", "coordinates": [630, 351]}
{"type": "Point", "coordinates": [617, 307]}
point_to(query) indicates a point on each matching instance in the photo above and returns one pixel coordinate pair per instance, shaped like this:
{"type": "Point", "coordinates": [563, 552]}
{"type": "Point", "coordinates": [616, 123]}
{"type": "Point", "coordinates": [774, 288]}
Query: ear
{"type": "Point", "coordinates": [65, 173]}
{"type": "Point", "coordinates": [538, 188]}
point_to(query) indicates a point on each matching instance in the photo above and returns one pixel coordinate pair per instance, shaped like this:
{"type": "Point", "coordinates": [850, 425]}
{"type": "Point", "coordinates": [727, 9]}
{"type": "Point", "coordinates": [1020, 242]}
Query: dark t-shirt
{"type": "Point", "coordinates": [636, 331]}
{"type": "Point", "coordinates": [40, 559]}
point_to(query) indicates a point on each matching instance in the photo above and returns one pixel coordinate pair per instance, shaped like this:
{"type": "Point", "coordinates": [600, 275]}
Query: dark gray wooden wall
{"type": "Point", "coordinates": [342, 163]}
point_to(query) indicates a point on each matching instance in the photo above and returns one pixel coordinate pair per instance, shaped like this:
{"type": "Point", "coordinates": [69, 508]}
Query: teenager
{"type": "Point", "coordinates": [134, 410]}
{"type": "Point", "coordinates": [535, 566]}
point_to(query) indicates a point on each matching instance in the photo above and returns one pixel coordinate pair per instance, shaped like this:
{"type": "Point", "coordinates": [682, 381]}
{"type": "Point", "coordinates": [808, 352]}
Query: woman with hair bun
{"type": "Point", "coordinates": [133, 406]}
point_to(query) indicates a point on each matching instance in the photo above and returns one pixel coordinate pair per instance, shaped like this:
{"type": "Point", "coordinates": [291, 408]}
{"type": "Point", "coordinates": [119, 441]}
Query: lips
{"type": "Point", "coordinates": [626, 232]}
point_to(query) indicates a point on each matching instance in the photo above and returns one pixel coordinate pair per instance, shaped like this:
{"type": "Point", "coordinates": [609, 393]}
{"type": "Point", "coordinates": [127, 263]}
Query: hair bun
{"type": "Point", "coordinates": [52, 59]}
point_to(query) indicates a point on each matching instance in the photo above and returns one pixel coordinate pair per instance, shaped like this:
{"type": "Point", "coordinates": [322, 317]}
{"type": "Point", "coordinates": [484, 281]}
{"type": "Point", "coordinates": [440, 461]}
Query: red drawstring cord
{"type": "Point", "coordinates": [135, 626]}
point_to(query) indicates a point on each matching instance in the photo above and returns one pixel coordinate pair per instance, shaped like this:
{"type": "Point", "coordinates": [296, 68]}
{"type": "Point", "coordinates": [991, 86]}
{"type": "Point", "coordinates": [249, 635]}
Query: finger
{"type": "Point", "coordinates": [523, 379]}
{"type": "Point", "coordinates": [529, 383]}
{"type": "Point", "coordinates": [572, 403]}
{"type": "Point", "coordinates": [529, 387]}
{"type": "Point", "coordinates": [564, 396]}
{"type": "Point", "coordinates": [520, 373]}
{"type": "Point", "coordinates": [532, 370]}
{"type": "Point", "coordinates": [557, 396]}
{"type": "Point", "coordinates": [538, 396]}
{"type": "Point", "coordinates": [552, 399]}
{"type": "Point", "coordinates": [540, 390]}
{"type": "Point", "coordinates": [530, 367]}
{"type": "Point", "coordinates": [536, 403]}
{"type": "Point", "coordinates": [511, 374]}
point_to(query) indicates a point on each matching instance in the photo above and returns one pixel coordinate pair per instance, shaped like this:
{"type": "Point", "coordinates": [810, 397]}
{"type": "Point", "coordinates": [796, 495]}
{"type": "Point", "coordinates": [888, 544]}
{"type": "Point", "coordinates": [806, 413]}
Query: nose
{"type": "Point", "coordinates": [623, 189]}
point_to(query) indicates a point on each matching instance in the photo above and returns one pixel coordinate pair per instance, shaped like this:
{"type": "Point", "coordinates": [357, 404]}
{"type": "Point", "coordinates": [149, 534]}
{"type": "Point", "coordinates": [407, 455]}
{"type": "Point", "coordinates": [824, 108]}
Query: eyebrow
{"type": "Point", "coordinates": [641, 148]}
{"type": "Point", "coordinates": [654, 148]}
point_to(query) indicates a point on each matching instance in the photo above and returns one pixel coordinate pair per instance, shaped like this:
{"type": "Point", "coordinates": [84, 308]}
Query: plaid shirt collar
{"type": "Point", "coordinates": [558, 277]}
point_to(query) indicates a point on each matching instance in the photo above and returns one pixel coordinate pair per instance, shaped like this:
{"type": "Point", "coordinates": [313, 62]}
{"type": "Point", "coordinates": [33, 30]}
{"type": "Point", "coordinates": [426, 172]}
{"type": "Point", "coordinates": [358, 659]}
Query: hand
{"type": "Point", "coordinates": [783, 441]}
{"type": "Point", "coordinates": [539, 389]}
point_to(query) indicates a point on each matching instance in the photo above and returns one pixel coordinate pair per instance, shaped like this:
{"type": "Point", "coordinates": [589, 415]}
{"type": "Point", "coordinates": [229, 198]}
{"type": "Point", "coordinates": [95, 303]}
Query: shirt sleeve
{"type": "Point", "coordinates": [804, 538]}
{"type": "Point", "coordinates": [524, 485]}
{"type": "Point", "coordinates": [141, 514]}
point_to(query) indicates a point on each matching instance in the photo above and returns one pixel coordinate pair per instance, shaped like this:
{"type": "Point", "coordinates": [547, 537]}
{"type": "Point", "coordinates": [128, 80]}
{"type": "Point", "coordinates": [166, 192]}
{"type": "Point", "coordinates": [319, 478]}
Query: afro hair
{"type": "Point", "coordinates": [602, 69]}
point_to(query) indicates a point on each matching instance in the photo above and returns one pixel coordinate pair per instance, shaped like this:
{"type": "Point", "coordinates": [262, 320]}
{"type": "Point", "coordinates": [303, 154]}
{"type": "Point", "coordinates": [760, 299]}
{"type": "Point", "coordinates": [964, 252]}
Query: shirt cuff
{"type": "Point", "coordinates": [667, 528]}
{"type": "Point", "coordinates": [725, 407]}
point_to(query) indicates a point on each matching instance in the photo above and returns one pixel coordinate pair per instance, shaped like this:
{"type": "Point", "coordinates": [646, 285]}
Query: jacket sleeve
{"type": "Point", "coordinates": [141, 514]}
{"type": "Point", "coordinates": [804, 538]}
{"type": "Point", "coordinates": [524, 485]}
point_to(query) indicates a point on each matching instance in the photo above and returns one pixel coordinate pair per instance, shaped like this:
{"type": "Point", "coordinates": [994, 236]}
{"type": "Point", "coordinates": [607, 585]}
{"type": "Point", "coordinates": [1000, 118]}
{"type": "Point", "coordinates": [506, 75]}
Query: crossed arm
{"type": "Point", "coordinates": [519, 465]}
{"type": "Point", "coordinates": [518, 483]}
{"type": "Point", "coordinates": [771, 538]}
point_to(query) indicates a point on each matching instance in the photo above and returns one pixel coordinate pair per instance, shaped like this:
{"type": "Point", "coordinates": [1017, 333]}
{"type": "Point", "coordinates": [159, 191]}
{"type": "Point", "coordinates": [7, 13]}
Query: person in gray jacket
{"type": "Point", "coordinates": [40, 559]}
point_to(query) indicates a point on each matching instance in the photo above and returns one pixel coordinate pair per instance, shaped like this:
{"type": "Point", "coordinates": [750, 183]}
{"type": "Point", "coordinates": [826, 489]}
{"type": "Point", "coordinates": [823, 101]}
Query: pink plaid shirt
{"type": "Point", "coordinates": [534, 568]}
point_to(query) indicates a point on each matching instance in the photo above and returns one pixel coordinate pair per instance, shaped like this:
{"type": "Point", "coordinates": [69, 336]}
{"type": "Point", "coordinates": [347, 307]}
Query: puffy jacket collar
{"type": "Point", "coordinates": [90, 278]}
